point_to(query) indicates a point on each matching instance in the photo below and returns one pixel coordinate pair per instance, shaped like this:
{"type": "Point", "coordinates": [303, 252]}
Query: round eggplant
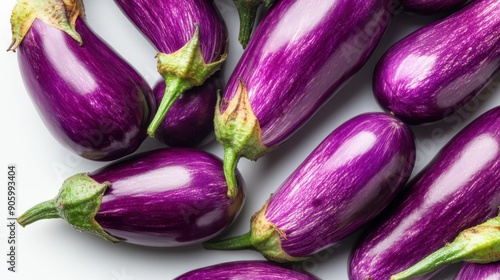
{"type": "Point", "coordinates": [430, 7]}
{"type": "Point", "coordinates": [439, 68]}
{"type": "Point", "coordinates": [479, 271]}
{"type": "Point", "coordinates": [90, 99]}
{"type": "Point", "coordinates": [457, 190]}
{"type": "Point", "coordinates": [346, 181]}
{"type": "Point", "coordinates": [255, 270]}
{"type": "Point", "coordinates": [161, 198]}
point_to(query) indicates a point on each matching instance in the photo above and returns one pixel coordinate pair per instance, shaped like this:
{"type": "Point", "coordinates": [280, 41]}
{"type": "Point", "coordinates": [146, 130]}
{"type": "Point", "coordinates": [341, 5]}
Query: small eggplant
{"type": "Point", "coordinates": [247, 10]}
{"type": "Point", "coordinates": [430, 7]}
{"type": "Point", "coordinates": [91, 100]}
{"type": "Point", "coordinates": [161, 198]}
{"type": "Point", "coordinates": [439, 68]}
{"type": "Point", "coordinates": [300, 56]}
{"type": "Point", "coordinates": [479, 244]}
{"type": "Point", "coordinates": [346, 181]}
{"type": "Point", "coordinates": [457, 190]}
{"type": "Point", "coordinates": [191, 38]}
{"type": "Point", "coordinates": [479, 271]}
{"type": "Point", "coordinates": [255, 270]}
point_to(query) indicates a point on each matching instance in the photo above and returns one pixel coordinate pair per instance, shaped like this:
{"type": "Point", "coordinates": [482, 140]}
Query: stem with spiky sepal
{"type": "Point", "coordinates": [59, 14]}
{"type": "Point", "coordinates": [77, 202]}
{"type": "Point", "coordinates": [182, 70]}
{"type": "Point", "coordinates": [239, 132]}
{"type": "Point", "coordinates": [479, 244]}
{"type": "Point", "coordinates": [247, 10]}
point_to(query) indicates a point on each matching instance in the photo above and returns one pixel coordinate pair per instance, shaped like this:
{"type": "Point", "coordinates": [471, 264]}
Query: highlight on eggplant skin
{"type": "Point", "coordinates": [345, 182]}
{"type": "Point", "coordinates": [255, 270]}
{"type": "Point", "coordinates": [475, 271]}
{"type": "Point", "coordinates": [456, 190]}
{"type": "Point", "coordinates": [427, 76]}
{"type": "Point", "coordinates": [430, 7]}
{"type": "Point", "coordinates": [163, 198]}
{"type": "Point", "coordinates": [91, 100]}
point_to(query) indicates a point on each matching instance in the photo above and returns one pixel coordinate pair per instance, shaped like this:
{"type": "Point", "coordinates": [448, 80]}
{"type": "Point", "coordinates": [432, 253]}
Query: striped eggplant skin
{"type": "Point", "coordinates": [256, 270]}
{"type": "Point", "coordinates": [430, 7]}
{"type": "Point", "coordinates": [166, 198]}
{"type": "Point", "coordinates": [457, 190]}
{"type": "Point", "coordinates": [91, 100]}
{"type": "Point", "coordinates": [190, 121]}
{"type": "Point", "coordinates": [427, 76]}
{"type": "Point", "coordinates": [474, 271]}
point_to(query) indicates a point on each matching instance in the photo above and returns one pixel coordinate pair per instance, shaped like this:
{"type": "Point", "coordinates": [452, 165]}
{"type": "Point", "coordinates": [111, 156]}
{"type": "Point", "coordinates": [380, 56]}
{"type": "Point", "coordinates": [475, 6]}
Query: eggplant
{"type": "Point", "coordinates": [161, 198]}
{"type": "Point", "coordinates": [247, 10]}
{"type": "Point", "coordinates": [430, 7]}
{"type": "Point", "coordinates": [457, 190]}
{"type": "Point", "coordinates": [191, 38]}
{"type": "Point", "coordinates": [345, 182]}
{"type": "Point", "coordinates": [92, 101]}
{"type": "Point", "coordinates": [190, 121]}
{"type": "Point", "coordinates": [301, 54]}
{"type": "Point", "coordinates": [474, 271]}
{"type": "Point", "coordinates": [256, 270]}
{"type": "Point", "coordinates": [439, 68]}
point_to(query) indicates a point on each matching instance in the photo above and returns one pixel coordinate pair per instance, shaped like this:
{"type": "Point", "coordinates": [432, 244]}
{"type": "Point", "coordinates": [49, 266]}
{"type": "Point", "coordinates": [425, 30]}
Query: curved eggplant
{"type": "Point", "coordinates": [191, 38]}
{"type": "Point", "coordinates": [457, 190]}
{"type": "Point", "coordinates": [346, 181]}
{"type": "Point", "coordinates": [255, 270]}
{"type": "Point", "coordinates": [429, 7]}
{"type": "Point", "coordinates": [428, 75]}
{"type": "Point", "coordinates": [91, 100]}
{"type": "Point", "coordinates": [294, 63]}
{"type": "Point", "coordinates": [479, 271]}
{"type": "Point", "coordinates": [162, 198]}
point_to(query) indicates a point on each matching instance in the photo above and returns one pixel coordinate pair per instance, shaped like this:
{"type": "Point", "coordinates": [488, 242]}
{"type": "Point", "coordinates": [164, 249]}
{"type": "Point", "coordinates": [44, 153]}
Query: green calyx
{"type": "Point", "coordinates": [264, 236]}
{"type": "Point", "coordinates": [182, 70]}
{"type": "Point", "coordinates": [479, 244]}
{"type": "Point", "coordinates": [247, 10]}
{"type": "Point", "coordinates": [61, 14]}
{"type": "Point", "coordinates": [239, 132]}
{"type": "Point", "coordinates": [77, 202]}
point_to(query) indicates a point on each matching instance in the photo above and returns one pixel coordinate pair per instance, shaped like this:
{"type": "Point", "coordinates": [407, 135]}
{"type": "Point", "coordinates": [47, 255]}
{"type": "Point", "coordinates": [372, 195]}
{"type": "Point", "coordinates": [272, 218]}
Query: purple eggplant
{"type": "Point", "coordinates": [429, 7]}
{"type": "Point", "coordinates": [255, 270]}
{"type": "Point", "coordinates": [439, 68]}
{"type": "Point", "coordinates": [190, 121]}
{"type": "Point", "coordinates": [346, 181]}
{"type": "Point", "coordinates": [457, 190]}
{"type": "Point", "coordinates": [479, 271]}
{"type": "Point", "coordinates": [191, 38]}
{"type": "Point", "coordinates": [162, 198]}
{"type": "Point", "coordinates": [300, 56]}
{"type": "Point", "coordinates": [91, 100]}
{"type": "Point", "coordinates": [247, 10]}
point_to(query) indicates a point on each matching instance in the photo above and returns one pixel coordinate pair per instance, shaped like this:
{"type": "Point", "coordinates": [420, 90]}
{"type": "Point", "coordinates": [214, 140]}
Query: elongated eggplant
{"type": "Point", "coordinates": [191, 38]}
{"type": "Point", "coordinates": [479, 271]}
{"type": "Point", "coordinates": [299, 57]}
{"type": "Point", "coordinates": [161, 198]}
{"type": "Point", "coordinates": [255, 270]}
{"type": "Point", "coordinates": [247, 10]}
{"type": "Point", "coordinates": [91, 100]}
{"type": "Point", "coordinates": [439, 68]}
{"type": "Point", "coordinates": [479, 244]}
{"type": "Point", "coordinates": [429, 7]}
{"type": "Point", "coordinates": [457, 190]}
{"type": "Point", "coordinates": [346, 181]}
{"type": "Point", "coordinates": [190, 121]}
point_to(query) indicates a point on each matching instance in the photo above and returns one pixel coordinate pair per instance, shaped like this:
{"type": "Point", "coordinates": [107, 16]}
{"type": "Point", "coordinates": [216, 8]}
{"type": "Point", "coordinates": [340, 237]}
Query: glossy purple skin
{"type": "Point", "coordinates": [190, 121]}
{"type": "Point", "coordinates": [170, 24]}
{"type": "Point", "coordinates": [167, 198]}
{"type": "Point", "coordinates": [291, 67]}
{"type": "Point", "coordinates": [255, 270]}
{"type": "Point", "coordinates": [472, 271]}
{"type": "Point", "coordinates": [346, 181]}
{"type": "Point", "coordinates": [439, 68]}
{"type": "Point", "coordinates": [90, 99]}
{"type": "Point", "coordinates": [457, 190]}
{"type": "Point", "coordinates": [429, 7]}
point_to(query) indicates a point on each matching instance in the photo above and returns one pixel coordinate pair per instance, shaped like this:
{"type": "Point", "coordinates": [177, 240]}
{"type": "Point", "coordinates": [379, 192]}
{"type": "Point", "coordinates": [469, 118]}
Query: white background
{"type": "Point", "coordinates": [53, 249]}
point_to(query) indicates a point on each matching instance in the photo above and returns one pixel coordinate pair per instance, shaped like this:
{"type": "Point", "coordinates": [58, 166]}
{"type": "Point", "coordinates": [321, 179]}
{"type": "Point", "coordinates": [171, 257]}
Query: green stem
{"type": "Point", "coordinates": [41, 211]}
{"type": "Point", "coordinates": [247, 11]}
{"type": "Point", "coordinates": [235, 243]}
{"type": "Point", "coordinates": [231, 159]}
